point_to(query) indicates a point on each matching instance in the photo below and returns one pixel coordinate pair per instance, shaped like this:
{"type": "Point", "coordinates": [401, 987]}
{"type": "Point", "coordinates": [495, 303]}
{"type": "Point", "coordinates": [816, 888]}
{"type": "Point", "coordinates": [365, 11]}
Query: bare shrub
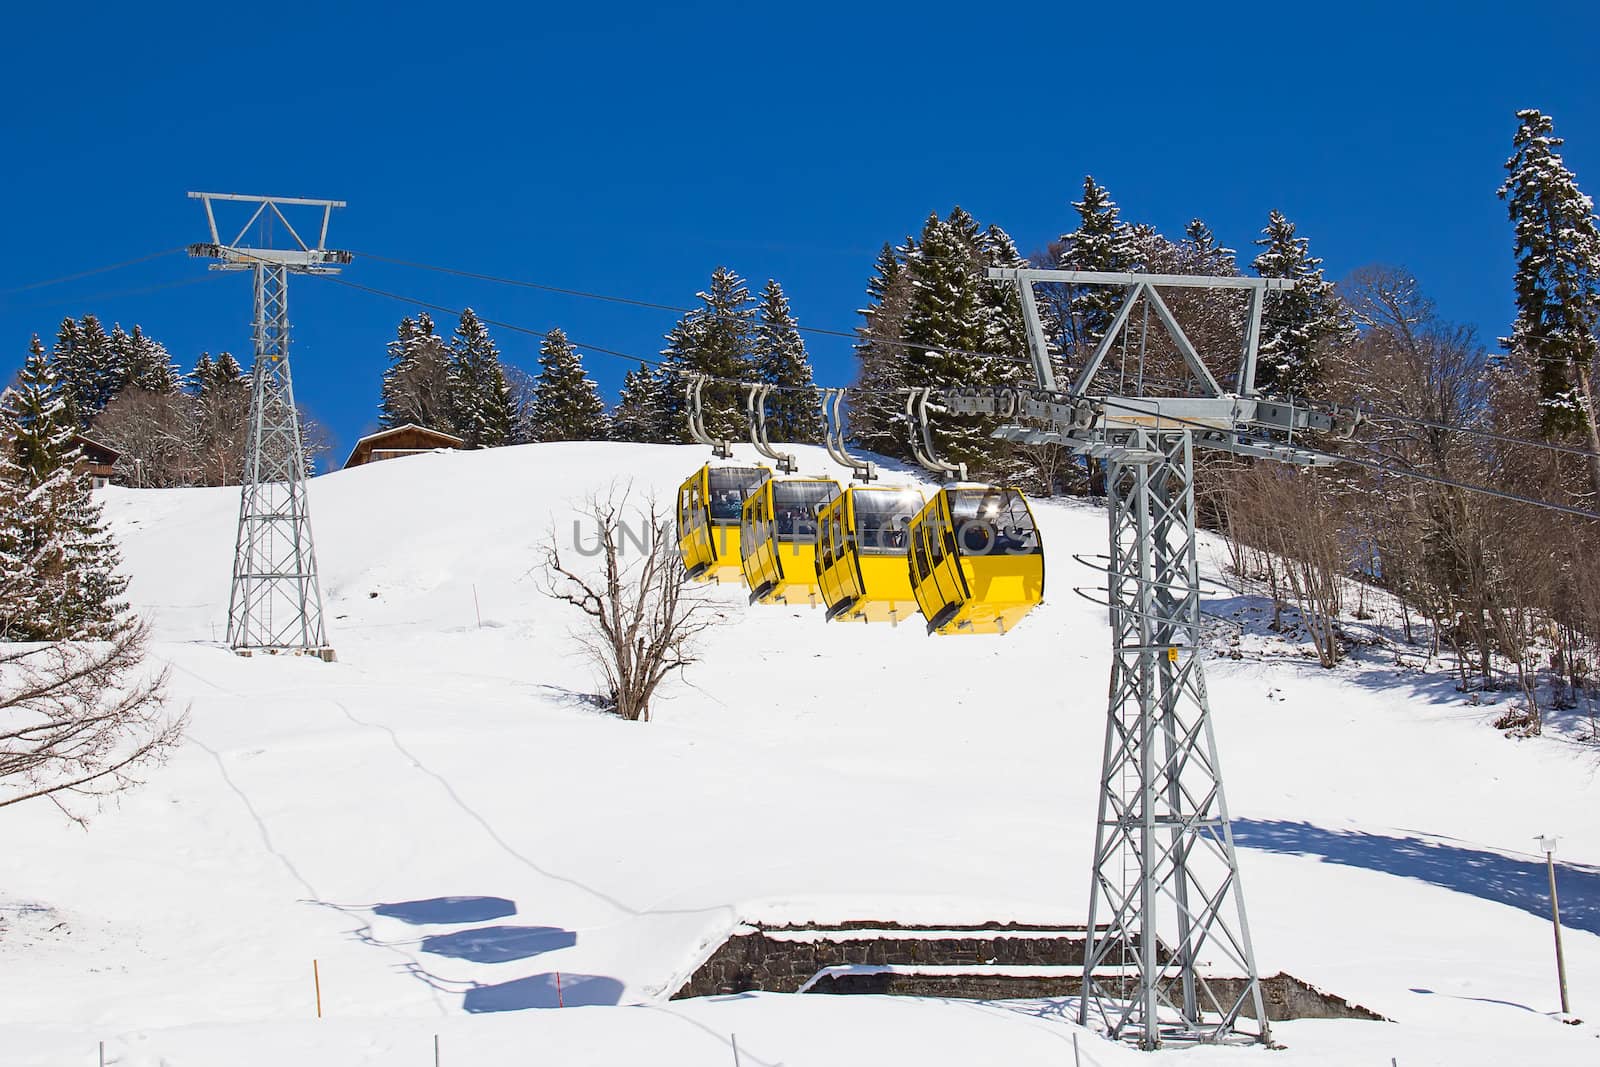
{"type": "Point", "coordinates": [641, 615]}
{"type": "Point", "coordinates": [80, 719]}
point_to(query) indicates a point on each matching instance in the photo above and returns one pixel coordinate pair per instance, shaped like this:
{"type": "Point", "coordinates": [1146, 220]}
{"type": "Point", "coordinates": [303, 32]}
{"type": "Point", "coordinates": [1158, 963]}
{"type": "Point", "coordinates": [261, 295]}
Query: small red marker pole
{"type": "Point", "coordinates": [560, 1002]}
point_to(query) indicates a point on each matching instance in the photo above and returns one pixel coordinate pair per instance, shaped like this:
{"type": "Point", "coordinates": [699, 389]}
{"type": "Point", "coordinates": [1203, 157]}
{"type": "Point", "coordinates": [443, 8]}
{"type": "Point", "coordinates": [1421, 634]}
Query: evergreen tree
{"type": "Point", "coordinates": [794, 409]}
{"type": "Point", "coordinates": [1553, 340]}
{"type": "Point", "coordinates": [204, 369]}
{"type": "Point", "coordinates": [566, 404]}
{"type": "Point", "coordinates": [1004, 332]}
{"type": "Point", "coordinates": [1101, 242]}
{"type": "Point", "coordinates": [67, 360]}
{"type": "Point", "coordinates": [58, 563]}
{"type": "Point", "coordinates": [119, 370]}
{"type": "Point", "coordinates": [714, 339]}
{"type": "Point", "coordinates": [87, 362]}
{"type": "Point", "coordinates": [953, 313]}
{"type": "Point", "coordinates": [935, 320]}
{"type": "Point", "coordinates": [480, 397]}
{"type": "Point", "coordinates": [876, 417]}
{"type": "Point", "coordinates": [37, 424]}
{"type": "Point", "coordinates": [416, 385]}
{"type": "Point", "coordinates": [221, 414]}
{"type": "Point", "coordinates": [642, 410]}
{"type": "Point", "coordinates": [148, 365]}
{"type": "Point", "coordinates": [1297, 325]}
{"type": "Point", "coordinates": [1204, 254]}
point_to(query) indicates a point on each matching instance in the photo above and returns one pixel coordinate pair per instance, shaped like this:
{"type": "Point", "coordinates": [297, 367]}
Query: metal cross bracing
{"type": "Point", "coordinates": [1166, 903]}
{"type": "Point", "coordinates": [1166, 898]}
{"type": "Point", "coordinates": [275, 604]}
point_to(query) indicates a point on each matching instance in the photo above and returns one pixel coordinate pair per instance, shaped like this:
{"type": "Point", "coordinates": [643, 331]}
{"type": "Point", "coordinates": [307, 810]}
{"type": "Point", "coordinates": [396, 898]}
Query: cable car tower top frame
{"type": "Point", "coordinates": [1165, 895]}
{"type": "Point", "coordinates": [276, 602]}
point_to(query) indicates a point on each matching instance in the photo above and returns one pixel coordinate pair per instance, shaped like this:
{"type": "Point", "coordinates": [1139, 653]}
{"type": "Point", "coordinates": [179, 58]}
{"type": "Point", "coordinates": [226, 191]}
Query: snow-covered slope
{"type": "Point", "coordinates": [801, 770]}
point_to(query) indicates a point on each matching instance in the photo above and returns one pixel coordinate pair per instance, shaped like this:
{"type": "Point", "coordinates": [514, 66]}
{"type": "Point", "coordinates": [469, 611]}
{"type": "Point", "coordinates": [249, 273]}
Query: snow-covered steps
{"type": "Point", "coordinates": [781, 959]}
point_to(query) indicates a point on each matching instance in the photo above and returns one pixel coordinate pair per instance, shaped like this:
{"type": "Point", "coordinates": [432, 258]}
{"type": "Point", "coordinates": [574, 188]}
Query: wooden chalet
{"type": "Point", "coordinates": [97, 458]}
{"type": "Point", "coordinates": [407, 440]}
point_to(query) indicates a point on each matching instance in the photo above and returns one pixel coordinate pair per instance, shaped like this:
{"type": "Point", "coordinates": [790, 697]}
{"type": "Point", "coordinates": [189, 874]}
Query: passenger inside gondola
{"type": "Point", "coordinates": [730, 487]}
{"type": "Point", "coordinates": [796, 504]}
{"type": "Point", "coordinates": [990, 521]}
{"type": "Point", "coordinates": [881, 520]}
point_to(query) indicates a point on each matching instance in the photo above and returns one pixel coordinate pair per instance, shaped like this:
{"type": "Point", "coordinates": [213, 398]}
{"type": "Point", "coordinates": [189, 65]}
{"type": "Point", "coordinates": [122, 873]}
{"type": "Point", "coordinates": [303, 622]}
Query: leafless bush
{"type": "Point", "coordinates": [80, 719]}
{"type": "Point", "coordinates": [641, 616]}
{"type": "Point", "coordinates": [1288, 525]}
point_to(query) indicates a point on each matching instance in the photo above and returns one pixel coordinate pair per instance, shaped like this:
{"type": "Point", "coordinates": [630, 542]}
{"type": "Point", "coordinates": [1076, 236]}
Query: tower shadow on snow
{"type": "Point", "coordinates": [499, 944]}
{"type": "Point", "coordinates": [448, 910]}
{"type": "Point", "coordinates": [1520, 883]}
{"type": "Point", "coordinates": [539, 991]}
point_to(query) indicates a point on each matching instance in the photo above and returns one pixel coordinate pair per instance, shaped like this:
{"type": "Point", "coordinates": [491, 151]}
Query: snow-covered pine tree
{"type": "Point", "coordinates": [794, 409]}
{"type": "Point", "coordinates": [148, 365]}
{"type": "Point", "coordinates": [641, 412]}
{"type": "Point", "coordinates": [947, 324]}
{"type": "Point", "coordinates": [120, 374]}
{"type": "Point", "coordinates": [67, 359]}
{"type": "Point", "coordinates": [392, 406]}
{"type": "Point", "coordinates": [1299, 324]}
{"type": "Point", "coordinates": [221, 413]}
{"type": "Point", "coordinates": [1103, 242]}
{"type": "Point", "coordinates": [416, 384]}
{"type": "Point", "coordinates": [480, 397]}
{"type": "Point", "coordinates": [66, 587]}
{"type": "Point", "coordinates": [16, 587]}
{"type": "Point", "coordinates": [876, 418]}
{"type": "Point", "coordinates": [1553, 340]}
{"type": "Point", "coordinates": [87, 363]}
{"type": "Point", "coordinates": [1040, 468]}
{"type": "Point", "coordinates": [1005, 335]}
{"type": "Point", "coordinates": [204, 368]}
{"type": "Point", "coordinates": [713, 339]}
{"type": "Point", "coordinates": [35, 420]}
{"type": "Point", "coordinates": [1204, 254]}
{"type": "Point", "coordinates": [566, 404]}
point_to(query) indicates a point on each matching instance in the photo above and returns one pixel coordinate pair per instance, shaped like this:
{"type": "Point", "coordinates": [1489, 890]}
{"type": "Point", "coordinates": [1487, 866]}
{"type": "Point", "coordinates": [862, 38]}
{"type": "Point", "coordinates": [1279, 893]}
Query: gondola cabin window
{"type": "Point", "coordinates": [795, 504]}
{"type": "Point", "coordinates": [993, 522]}
{"type": "Point", "coordinates": [730, 487]}
{"type": "Point", "coordinates": [881, 521]}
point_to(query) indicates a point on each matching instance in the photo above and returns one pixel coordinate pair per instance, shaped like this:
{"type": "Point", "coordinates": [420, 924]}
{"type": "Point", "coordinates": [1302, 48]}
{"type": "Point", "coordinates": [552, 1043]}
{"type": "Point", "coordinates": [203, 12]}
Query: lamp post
{"type": "Point", "coordinates": [1548, 845]}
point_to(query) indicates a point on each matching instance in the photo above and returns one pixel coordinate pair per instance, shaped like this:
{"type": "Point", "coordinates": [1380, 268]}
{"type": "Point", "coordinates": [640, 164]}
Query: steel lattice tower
{"type": "Point", "coordinates": [276, 602]}
{"type": "Point", "coordinates": [1165, 896]}
{"type": "Point", "coordinates": [1166, 880]}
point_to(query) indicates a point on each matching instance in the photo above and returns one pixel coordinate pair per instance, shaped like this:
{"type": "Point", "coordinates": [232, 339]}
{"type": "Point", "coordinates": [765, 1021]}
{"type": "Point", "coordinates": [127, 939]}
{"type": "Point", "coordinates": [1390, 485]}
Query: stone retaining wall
{"type": "Point", "coordinates": [758, 960]}
{"type": "Point", "coordinates": [1286, 996]}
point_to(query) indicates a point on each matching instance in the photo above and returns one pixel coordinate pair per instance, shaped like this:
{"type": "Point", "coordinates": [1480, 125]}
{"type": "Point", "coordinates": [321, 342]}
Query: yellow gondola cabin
{"type": "Point", "coordinates": [778, 539]}
{"type": "Point", "coordinates": [710, 506]}
{"type": "Point", "coordinates": [976, 562]}
{"type": "Point", "coordinates": [861, 554]}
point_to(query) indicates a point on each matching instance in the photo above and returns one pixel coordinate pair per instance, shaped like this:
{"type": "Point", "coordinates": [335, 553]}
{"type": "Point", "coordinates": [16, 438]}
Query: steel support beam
{"type": "Point", "coordinates": [1165, 886]}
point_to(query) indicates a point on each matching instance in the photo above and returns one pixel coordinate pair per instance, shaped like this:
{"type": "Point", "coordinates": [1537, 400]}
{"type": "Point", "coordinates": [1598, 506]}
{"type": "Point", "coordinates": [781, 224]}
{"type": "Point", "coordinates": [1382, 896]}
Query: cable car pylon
{"type": "Point", "coordinates": [275, 604]}
{"type": "Point", "coordinates": [1165, 892]}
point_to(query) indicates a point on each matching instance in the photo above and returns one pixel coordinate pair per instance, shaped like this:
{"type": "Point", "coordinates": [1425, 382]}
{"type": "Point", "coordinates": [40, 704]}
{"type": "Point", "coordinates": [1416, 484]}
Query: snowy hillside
{"type": "Point", "coordinates": [802, 770]}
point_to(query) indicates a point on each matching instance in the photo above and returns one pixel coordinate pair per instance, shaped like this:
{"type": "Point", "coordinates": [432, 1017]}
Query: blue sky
{"type": "Point", "coordinates": [631, 148]}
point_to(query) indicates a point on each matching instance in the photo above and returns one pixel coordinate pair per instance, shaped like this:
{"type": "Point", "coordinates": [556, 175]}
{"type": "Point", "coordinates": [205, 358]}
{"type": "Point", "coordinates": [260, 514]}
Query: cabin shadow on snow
{"type": "Point", "coordinates": [448, 910]}
{"type": "Point", "coordinates": [1521, 883]}
{"type": "Point", "coordinates": [539, 991]}
{"type": "Point", "coordinates": [499, 944]}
